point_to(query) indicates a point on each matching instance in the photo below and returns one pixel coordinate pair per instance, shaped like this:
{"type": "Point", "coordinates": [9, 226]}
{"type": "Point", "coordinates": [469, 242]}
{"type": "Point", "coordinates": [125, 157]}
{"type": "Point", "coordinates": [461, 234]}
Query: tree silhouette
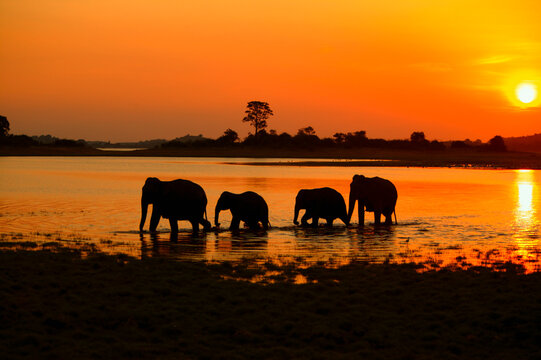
{"type": "Point", "coordinates": [497, 144]}
{"type": "Point", "coordinates": [306, 137]}
{"type": "Point", "coordinates": [339, 138]}
{"type": "Point", "coordinates": [357, 138]}
{"type": "Point", "coordinates": [257, 113]}
{"type": "Point", "coordinates": [417, 137]}
{"type": "Point", "coordinates": [229, 137]}
{"type": "Point", "coordinates": [4, 126]}
{"type": "Point", "coordinates": [306, 131]}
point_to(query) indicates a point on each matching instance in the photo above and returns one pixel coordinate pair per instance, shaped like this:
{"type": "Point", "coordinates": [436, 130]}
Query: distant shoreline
{"type": "Point", "coordinates": [359, 156]}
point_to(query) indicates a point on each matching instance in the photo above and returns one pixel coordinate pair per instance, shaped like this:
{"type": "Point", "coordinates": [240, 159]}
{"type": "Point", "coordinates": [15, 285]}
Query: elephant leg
{"type": "Point", "coordinates": [173, 236]}
{"type": "Point", "coordinates": [265, 223]}
{"type": "Point", "coordinates": [304, 220]}
{"type": "Point", "coordinates": [389, 219]}
{"type": "Point", "coordinates": [206, 224]}
{"type": "Point", "coordinates": [195, 225]}
{"type": "Point", "coordinates": [173, 223]}
{"type": "Point", "coordinates": [361, 215]}
{"type": "Point", "coordinates": [377, 218]}
{"type": "Point", "coordinates": [154, 221]}
{"type": "Point", "coordinates": [315, 221]}
{"type": "Point", "coordinates": [235, 223]}
{"type": "Point", "coordinates": [329, 221]}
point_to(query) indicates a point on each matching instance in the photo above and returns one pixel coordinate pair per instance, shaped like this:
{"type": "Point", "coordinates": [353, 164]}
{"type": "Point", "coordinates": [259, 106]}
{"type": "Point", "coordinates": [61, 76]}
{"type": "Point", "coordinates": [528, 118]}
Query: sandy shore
{"type": "Point", "coordinates": [59, 305]}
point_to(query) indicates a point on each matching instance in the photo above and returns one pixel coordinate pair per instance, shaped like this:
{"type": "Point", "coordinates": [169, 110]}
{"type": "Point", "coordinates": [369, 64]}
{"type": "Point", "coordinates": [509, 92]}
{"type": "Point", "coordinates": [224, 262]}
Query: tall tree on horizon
{"type": "Point", "coordinates": [257, 113]}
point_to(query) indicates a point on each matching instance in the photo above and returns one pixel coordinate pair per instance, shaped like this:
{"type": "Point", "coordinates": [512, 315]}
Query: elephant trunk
{"type": "Point", "coordinates": [217, 216]}
{"type": "Point", "coordinates": [144, 209]}
{"type": "Point", "coordinates": [297, 209]}
{"type": "Point", "coordinates": [352, 200]}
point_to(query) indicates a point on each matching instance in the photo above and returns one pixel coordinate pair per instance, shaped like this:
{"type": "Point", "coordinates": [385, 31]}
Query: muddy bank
{"type": "Point", "coordinates": [58, 305]}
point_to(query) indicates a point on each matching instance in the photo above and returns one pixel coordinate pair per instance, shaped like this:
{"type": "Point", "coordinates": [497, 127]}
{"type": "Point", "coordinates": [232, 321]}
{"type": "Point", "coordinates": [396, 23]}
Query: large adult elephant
{"type": "Point", "coordinates": [248, 207]}
{"type": "Point", "coordinates": [174, 200]}
{"type": "Point", "coordinates": [375, 194]}
{"type": "Point", "coordinates": [325, 203]}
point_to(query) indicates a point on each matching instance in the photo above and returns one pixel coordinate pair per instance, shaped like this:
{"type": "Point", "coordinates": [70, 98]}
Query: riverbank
{"type": "Point", "coordinates": [358, 157]}
{"type": "Point", "coordinates": [61, 305]}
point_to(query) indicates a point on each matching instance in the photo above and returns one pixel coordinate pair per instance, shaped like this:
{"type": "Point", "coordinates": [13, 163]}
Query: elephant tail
{"type": "Point", "coordinates": [395, 221]}
{"type": "Point", "coordinates": [208, 219]}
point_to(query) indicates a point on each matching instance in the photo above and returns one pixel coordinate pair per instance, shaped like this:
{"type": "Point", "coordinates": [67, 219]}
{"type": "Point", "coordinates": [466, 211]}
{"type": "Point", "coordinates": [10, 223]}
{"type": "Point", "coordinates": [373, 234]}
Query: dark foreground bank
{"type": "Point", "coordinates": [57, 305]}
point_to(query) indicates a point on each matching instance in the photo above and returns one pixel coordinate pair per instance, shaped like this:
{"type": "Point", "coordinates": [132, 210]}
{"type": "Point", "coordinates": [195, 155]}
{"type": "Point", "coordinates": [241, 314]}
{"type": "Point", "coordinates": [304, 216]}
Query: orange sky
{"type": "Point", "coordinates": [125, 70]}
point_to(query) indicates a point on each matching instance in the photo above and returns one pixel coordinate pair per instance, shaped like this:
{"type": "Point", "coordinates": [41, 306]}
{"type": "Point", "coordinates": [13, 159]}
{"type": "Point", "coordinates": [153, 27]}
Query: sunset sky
{"type": "Point", "coordinates": [124, 70]}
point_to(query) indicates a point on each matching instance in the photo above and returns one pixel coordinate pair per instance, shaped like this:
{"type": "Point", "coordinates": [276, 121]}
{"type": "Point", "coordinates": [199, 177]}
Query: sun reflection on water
{"type": "Point", "coordinates": [525, 210]}
{"type": "Point", "coordinates": [526, 221]}
{"type": "Point", "coordinates": [525, 197]}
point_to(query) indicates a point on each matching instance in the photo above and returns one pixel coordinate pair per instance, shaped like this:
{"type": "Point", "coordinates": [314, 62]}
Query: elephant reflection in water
{"type": "Point", "coordinates": [179, 246]}
{"type": "Point", "coordinates": [174, 200]}
{"type": "Point", "coordinates": [325, 203]}
{"type": "Point", "coordinates": [373, 194]}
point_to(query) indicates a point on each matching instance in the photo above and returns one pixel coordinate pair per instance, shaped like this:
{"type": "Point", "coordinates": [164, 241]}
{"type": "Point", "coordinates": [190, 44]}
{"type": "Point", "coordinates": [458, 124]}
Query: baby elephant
{"type": "Point", "coordinates": [325, 203]}
{"type": "Point", "coordinates": [248, 207]}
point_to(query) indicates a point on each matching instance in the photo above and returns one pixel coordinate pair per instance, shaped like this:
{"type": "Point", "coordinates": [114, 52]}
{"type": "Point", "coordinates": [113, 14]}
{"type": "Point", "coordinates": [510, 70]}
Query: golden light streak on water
{"type": "Point", "coordinates": [526, 220]}
{"type": "Point", "coordinates": [525, 198]}
{"type": "Point", "coordinates": [525, 207]}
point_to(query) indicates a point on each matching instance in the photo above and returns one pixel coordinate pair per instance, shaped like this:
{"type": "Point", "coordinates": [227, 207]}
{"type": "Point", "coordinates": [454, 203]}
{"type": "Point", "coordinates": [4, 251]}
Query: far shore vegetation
{"type": "Point", "coordinates": [418, 150]}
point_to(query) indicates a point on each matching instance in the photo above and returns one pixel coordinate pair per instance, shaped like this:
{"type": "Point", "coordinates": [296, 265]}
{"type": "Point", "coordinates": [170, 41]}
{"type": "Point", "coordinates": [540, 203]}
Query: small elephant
{"type": "Point", "coordinates": [325, 203]}
{"type": "Point", "coordinates": [174, 200]}
{"type": "Point", "coordinates": [248, 207]}
{"type": "Point", "coordinates": [375, 194]}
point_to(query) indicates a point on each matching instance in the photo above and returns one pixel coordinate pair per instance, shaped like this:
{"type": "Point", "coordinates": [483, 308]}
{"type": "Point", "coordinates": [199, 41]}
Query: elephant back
{"type": "Point", "coordinates": [253, 198]}
{"type": "Point", "coordinates": [381, 193]}
{"type": "Point", "coordinates": [180, 198]}
{"type": "Point", "coordinates": [328, 201]}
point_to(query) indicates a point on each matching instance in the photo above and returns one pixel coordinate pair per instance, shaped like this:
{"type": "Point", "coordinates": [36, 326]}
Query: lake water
{"type": "Point", "coordinates": [444, 215]}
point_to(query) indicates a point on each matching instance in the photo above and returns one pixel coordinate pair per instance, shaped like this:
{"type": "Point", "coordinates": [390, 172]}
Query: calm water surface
{"type": "Point", "coordinates": [444, 215]}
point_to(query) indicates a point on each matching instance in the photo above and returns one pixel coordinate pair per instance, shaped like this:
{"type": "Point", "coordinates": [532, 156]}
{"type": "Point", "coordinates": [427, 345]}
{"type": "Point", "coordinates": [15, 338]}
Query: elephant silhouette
{"type": "Point", "coordinates": [174, 200]}
{"type": "Point", "coordinates": [325, 203]}
{"type": "Point", "coordinates": [248, 207]}
{"type": "Point", "coordinates": [374, 194]}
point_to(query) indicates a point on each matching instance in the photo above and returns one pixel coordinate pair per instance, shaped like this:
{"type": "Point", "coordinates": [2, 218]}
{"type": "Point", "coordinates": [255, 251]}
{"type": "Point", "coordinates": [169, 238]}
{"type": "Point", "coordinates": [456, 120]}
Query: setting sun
{"type": "Point", "coordinates": [526, 92]}
{"type": "Point", "coordinates": [522, 88]}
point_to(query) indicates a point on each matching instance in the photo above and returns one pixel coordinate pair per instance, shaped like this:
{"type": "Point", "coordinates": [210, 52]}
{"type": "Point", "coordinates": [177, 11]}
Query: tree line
{"type": "Point", "coordinates": [257, 114]}
{"type": "Point", "coordinates": [7, 139]}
